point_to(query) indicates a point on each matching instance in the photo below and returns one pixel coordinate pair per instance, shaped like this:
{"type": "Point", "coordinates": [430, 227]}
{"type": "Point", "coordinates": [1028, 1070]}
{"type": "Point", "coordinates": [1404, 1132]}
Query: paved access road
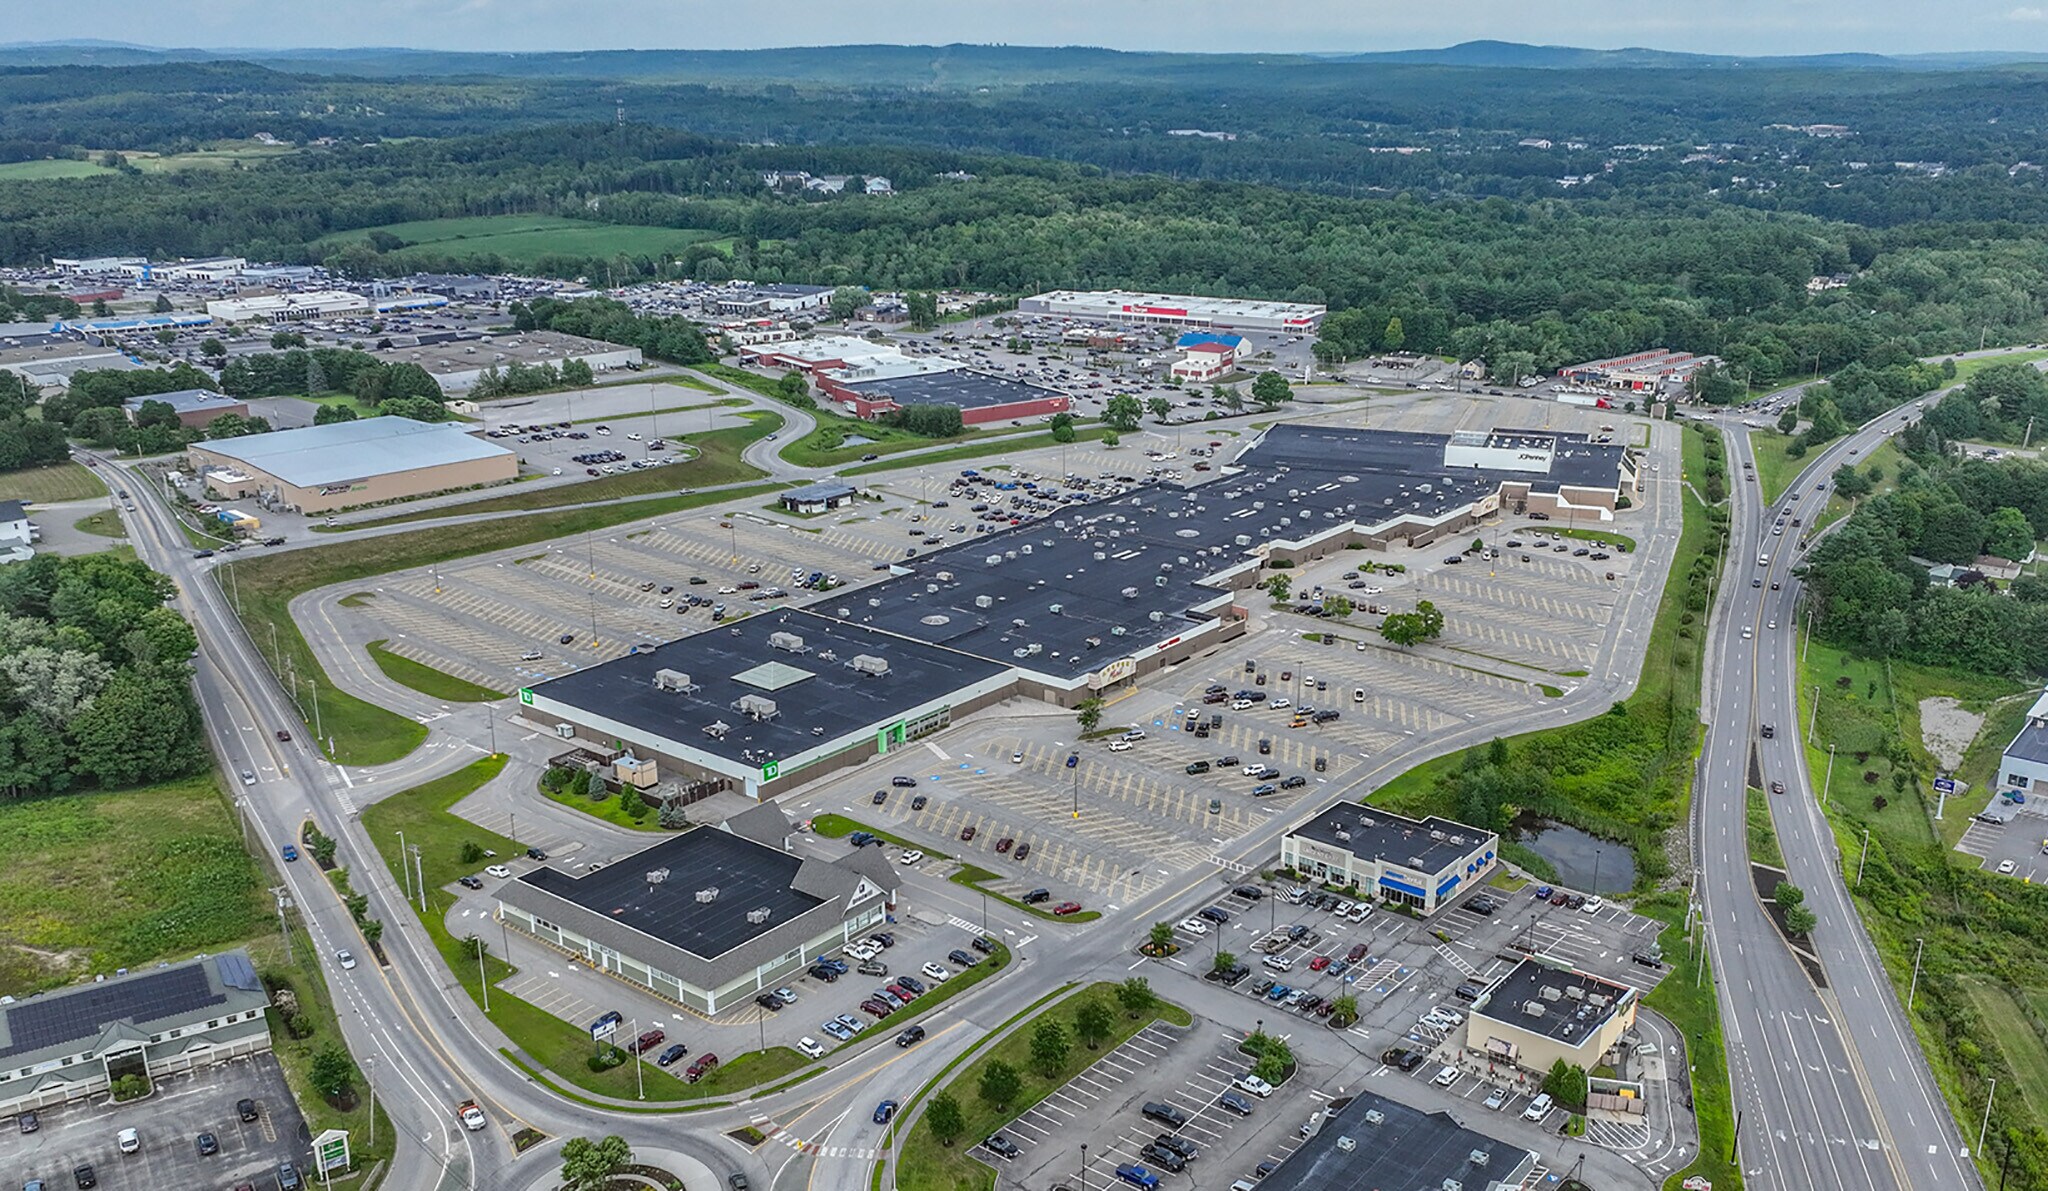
{"type": "Point", "coordinates": [1831, 1085]}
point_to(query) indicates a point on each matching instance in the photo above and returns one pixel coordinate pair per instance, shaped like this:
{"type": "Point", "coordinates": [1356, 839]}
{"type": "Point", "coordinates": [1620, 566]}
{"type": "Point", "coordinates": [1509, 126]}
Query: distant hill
{"type": "Point", "coordinates": [948, 67]}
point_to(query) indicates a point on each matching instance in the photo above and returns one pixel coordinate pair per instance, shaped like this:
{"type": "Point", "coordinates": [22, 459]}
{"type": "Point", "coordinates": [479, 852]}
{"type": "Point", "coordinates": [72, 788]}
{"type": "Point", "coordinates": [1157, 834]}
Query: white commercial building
{"type": "Point", "coordinates": [2025, 766]}
{"type": "Point", "coordinates": [282, 308]}
{"type": "Point", "coordinates": [1176, 310]}
{"type": "Point", "coordinates": [1420, 863]}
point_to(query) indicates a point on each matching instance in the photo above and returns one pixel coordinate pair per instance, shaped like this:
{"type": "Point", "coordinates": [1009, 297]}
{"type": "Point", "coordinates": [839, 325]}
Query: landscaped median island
{"type": "Point", "coordinates": [436, 684]}
{"type": "Point", "coordinates": [973, 876]}
{"type": "Point", "coordinates": [1040, 1055]}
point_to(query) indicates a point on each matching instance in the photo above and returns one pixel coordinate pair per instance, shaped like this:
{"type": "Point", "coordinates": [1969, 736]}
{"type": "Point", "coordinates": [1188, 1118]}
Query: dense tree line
{"type": "Point", "coordinates": [2001, 403]}
{"type": "Point", "coordinates": [676, 340]}
{"type": "Point", "coordinates": [1871, 595]}
{"type": "Point", "coordinates": [26, 441]}
{"type": "Point", "coordinates": [322, 370]}
{"type": "Point", "coordinates": [95, 676]}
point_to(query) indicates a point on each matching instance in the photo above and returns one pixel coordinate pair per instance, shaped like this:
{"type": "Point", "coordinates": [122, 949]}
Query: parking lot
{"type": "Point", "coordinates": [168, 1125]}
{"type": "Point", "coordinates": [2018, 838]}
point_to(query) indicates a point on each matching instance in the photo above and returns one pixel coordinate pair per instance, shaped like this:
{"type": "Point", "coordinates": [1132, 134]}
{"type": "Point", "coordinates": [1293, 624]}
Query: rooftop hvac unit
{"type": "Point", "coordinates": [565, 731]}
{"type": "Point", "coordinates": [931, 589]}
{"type": "Point", "coordinates": [1479, 1157]}
{"type": "Point", "coordinates": [786, 641]}
{"type": "Point", "coordinates": [869, 664]}
{"type": "Point", "coordinates": [1344, 836]}
{"type": "Point", "coordinates": [1156, 616]}
{"type": "Point", "coordinates": [945, 576]}
{"type": "Point", "coordinates": [1374, 1116]}
{"type": "Point", "coordinates": [1054, 609]}
{"type": "Point", "coordinates": [657, 876]}
{"type": "Point", "coordinates": [1101, 556]}
{"type": "Point", "coordinates": [1415, 862]}
{"type": "Point", "coordinates": [1575, 993]}
{"type": "Point", "coordinates": [717, 731]}
{"type": "Point", "coordinates": [1550, 992]}
{"type": "Point", "coordinates": [992, 559]}
{"type": "Point", "coordinates": [758, 916]}
{"type": "Point", "coordinates": [756, 707]}
{"type": "Point", "coordinates": [1024, 549]}
{"type": "Point", "coordinates": [874, 601]}
{"type": "Point", "coordinates": [984, 601]}
{"type": "Point", "coordinates": [706, 896]}
{"type": "Point", "coordinates": [1118, 630]}
{"type": "Point", "coordinates": [671, 680]}
{"type": "Point", "coordinates": [1532, 1009]}
{"type": "Point", "coordinates": [1243, 539]}
{"type": "Point", "coordinates": [1346, 1144]}
{"type": "Point", "coordinates": [1010, 554]}
{"type": "Point", "coordinates": [1451, 1185]}
{"type": "Point", "coordinates": [1570, 1030]}
{"type": "Point", "coordinates": [1130, 593]}
{"type": "Point", "coordinates": [1598, 1000]}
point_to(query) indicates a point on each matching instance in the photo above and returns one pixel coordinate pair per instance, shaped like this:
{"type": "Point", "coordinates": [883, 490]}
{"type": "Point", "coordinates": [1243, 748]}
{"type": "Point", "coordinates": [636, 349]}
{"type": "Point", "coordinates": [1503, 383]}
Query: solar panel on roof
{"type": "Point", "coordinates": [237, 972]}
{"type": "Point", "coordinates": [85, 1013]}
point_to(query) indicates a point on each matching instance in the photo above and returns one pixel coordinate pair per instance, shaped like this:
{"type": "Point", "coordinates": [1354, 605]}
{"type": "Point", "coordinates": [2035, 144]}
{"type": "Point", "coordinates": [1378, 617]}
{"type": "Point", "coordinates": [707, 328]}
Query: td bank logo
{"type": "Point", "coordinates": [526, 696]}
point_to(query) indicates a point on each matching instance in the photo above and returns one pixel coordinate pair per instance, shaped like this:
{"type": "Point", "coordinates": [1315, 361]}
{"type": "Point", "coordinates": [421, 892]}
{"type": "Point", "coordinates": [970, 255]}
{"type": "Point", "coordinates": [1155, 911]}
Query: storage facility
{"type": "Point", "coordinates": [1638, 372]}
{"type": "Point", "coordinates": [1176, 310]}
{"type": "Point", "coordinates": [708, 919]}
{"type": "Point", "coordinates": [318, 469]}
{"type": "Point", "coordinates": [747, 300]}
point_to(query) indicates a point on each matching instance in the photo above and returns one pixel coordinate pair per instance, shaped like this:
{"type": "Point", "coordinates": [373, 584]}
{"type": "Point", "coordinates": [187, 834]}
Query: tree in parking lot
{"type": "Point", "coordinates": [1093, 1021]}
{"type": "Point", "coordinates": [332, 1074]}
{"type": "Point", "coordinates": [588, 1165]}
{"type": "Point", "coordinates": [1161, 937]}
{"type": "Point", "coordinates": [1088, 712]}
{"type": "Point", "coordinates": [1788, 421]}
{"type": "Point", "coordinates": [1159, 406]}
{"type": "Point", "coordinates": [945, 1117]}
{"type": "Point", "coordinates": [1123, 412]}
{"type": "Point", "coordinates": [1110, 439]}
{"type": "Point", "coordinates": [1136, 996]}
{"type": "Point", "coordinates": [1224, 961]}
{"type": "Point", "coordinates": [1063, 428]}
{"type": "Point", "coordinates": [1337, 605]}
{"type": "Point", "coordinates": [1000, 1084]}
{"type": "Point", "coordinates": [1344, 1010]}
{"type": "Point", "coordinates": [1270, 389]}
{"type": "Point", "coordinates": [1278, 586]}
{"type": "Point", "coordinates": [1050, 1046]}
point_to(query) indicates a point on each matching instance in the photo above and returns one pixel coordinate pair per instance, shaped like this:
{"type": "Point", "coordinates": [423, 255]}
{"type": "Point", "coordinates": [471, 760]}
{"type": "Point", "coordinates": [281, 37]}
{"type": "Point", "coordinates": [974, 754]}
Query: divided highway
{"type": "Point", "coordinates": [1829, 1081]}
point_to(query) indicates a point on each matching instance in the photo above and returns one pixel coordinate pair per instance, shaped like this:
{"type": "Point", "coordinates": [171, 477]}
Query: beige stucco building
{"type": "Point", "coordinates": [317, 469]}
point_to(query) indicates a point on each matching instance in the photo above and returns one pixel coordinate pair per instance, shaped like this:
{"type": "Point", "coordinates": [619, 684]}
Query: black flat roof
{"type": "Point", "coordinates": [748, 876]}
{"type": "Point", "coordinates": [818, 696]}
{"type": "Point", "coordinates": [1425, 844]}
{"type": "Point", "coordinates": [1567, 1018]}
{"type": "Point", "coordinates": [962, 387]}
{"type": "Point", "coordinates": [1406, 1150]}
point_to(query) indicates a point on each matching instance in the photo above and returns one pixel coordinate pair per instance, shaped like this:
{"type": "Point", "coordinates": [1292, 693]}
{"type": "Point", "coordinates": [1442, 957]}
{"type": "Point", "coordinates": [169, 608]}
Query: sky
{"type": "Point", "coordinates": [1749, 27]}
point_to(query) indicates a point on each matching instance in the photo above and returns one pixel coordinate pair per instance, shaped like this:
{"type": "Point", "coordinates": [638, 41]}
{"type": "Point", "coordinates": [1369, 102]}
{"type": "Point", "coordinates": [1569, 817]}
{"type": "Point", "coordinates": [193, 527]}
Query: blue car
{"type": "Point", "coordinates": [291, 852]}
{"type": "Point", "coordinates": [1543, 893]}
{"type": "Point", "coordinates": [1278, 992]}
{"type": "Point", "coordinates": [884, 1111]}
{"type": "Point", "coordinates": [1137, 1176]}
{"type": "Point", "coordinates": [832, 1027]}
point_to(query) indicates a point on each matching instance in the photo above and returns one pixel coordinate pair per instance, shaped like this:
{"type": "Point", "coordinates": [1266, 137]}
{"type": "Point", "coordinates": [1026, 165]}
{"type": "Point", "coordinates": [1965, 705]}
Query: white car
{"type": "Point", "coordinates": [1240, 704]}
{"type": "Point", "coordinates": [1119, 746]}
{"type": "Point", "coordinates": [1254, 767]}
{"type": "Point", "coordinates": [1361, 912]}
{"type": "Point", "coordinates": [347, 961]}
{"type": "Point", "coordinates": [1253, 1084]}
{"type": "Point", "coordinates": [1436, 1021]}
{"type": "Point", "coordinates": [1496, 1098]}
{"type": "Point", "coordinates": [1538, 1108]}
{"type": "Point", "coordinates": [936, 974]}
{"type": "Point", "coordinates": [810, 1047]}
{"type": "Point", "coordinates": [1592, 906]}
{"type": "Point", "coordinates": [1449, 1015]}
{"type": "Point", "coordinates": [129, 1140]}
{"type": "Point", "coordinates": [499, 871]}
{"type": "Point", "coordinates": [1375, 591]}
{"type": "Point", "coordinates": [863, 949]}
{"type": "Point", "coordinates": [911, 857]}
{"type": "Point", "coordinates": [1194, 926]}
{"type": "Point", "coordinates": [1446, 1077]}
{"type": "Point", "coordinates": [1017, 758]}
{"type": "Point", "coordinates": [1279, 705]}
{"type": "Point", "coordinates": [2005, 866]}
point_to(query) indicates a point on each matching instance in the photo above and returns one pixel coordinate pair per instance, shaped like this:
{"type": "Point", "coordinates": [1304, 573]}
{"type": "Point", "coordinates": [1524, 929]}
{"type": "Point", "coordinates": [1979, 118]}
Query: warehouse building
{"type": "Point", "coordinates": [1081, 606]}
{"type": "Point", "coordinates": [1422, 864]}
{"type": "Point", "coordinates": [72, 1043]}
{"type": "Point", "coordinates": [708, 919]}
{"type": "Point", "coordinates": [981, 397]}
{"type": "Point", "coordinates": [1538, 1014]}
{"type": "Point", "coordinates": [746, 300]}
{"type": "Point", "coordinates": [817, 353]}
{"type": "Point", "coordinates": [1638, 372]}
{"type": "Point", "coordinates": [318, 469]}
{"type": "Point", "coordinates": [194, 407]}
{"type": "Point", "coordinates": [1377, 1144]}
{"type": "Point", "coordinates": [285, 308]}
{"type": "Point", "coordinates": [1176, 310]}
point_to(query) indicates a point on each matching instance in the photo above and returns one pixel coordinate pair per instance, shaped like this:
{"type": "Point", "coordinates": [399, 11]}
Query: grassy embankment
{"type": "Point", "coordinates": [1981, 1009]}
{"type": "Point", "coordinates": [51, 483]}
{"type": "Point", "coordinates": [91, 882]}
{"type": "Point", "coordinates": [363, 733]}
{"type": "Point", "coordinates": [1775, 470]}
{"type": "Point", "coordinates": [926, 1165]}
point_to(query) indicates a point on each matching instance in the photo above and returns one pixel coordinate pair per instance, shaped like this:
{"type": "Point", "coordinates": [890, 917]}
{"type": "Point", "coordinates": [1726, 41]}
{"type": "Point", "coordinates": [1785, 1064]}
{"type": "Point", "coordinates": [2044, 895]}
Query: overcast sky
{"type": "Point", "coordinates": [1715, 26]}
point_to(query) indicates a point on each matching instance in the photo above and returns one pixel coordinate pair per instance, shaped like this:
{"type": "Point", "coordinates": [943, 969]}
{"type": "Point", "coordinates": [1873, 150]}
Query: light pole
{"type": "Point", "coordinates": [1084, 1166]}
{"type": "Point", "coordinates": [404, 869]}
{"type": "Point", "coordinates": [482, 978]}
{"type": "Point", "coordinates": [1813, 717]}
{"type": "Point", "coordinates": [1862, 858]}
{"type": "Point", "coordinates": [371, 1078]}
{"type": "Point", "coordinates": [1919, 945]}
{"type": "Point", "coordinates": [1826, 781]}
{"type": "Point", "coordinates": [1986, 1126]}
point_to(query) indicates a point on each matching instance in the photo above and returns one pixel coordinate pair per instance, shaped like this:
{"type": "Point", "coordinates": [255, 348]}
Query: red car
{"type": "Point", "coordinates": [1003, 844]}
{"type": "Point", "coordinates": [1319, 963]}
{"type": "Point", "coordinates": [1356, 953]}
{"type": "Point", "coordinates": [1065, 908]}
{"type": "Point", "coordinates": [1023, 850]}
{"type": "Point", "coordinates": [283, 737]}
{"type": "Point", "coordinates": [875, 1007]}
{"type": "Point", "coordinates": [903, 992]}
{"type": "Point", "coordinates": [967, 833]}
{"type": "Point", "coordinates": [700, 1068]}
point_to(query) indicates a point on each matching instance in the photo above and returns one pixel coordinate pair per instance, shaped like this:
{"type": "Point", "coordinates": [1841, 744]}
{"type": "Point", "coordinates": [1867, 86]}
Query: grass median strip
{"type": "Point", "coordinates": [435, 684]}
{"type": "Point", "coordinates": [1686, 999]}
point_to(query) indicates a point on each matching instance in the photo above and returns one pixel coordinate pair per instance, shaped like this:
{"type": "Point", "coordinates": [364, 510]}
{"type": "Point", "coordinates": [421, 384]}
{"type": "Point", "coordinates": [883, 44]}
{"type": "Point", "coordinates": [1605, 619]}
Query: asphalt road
{"type": "Point", "coordinates": [1831, 1086]}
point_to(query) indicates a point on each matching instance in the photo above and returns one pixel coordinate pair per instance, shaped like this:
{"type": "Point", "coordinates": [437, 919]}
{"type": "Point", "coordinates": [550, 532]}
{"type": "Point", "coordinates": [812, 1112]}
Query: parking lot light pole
{"type": "Point", "coordinates": [1981, 1129]}
{"type": "Point", "coordinates": [483, 978]}
{"type": "Point", "coordinates": [1919, 945]}
{"type": "Point", "coordinates": [1084, 1166]}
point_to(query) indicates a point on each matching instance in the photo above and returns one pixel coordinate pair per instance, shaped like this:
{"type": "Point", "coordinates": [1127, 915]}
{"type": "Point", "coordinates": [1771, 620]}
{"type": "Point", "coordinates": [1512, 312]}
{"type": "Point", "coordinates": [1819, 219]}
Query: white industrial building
{"type": "Point", "coordinates": [2025, 765]}
{"type": "Point", "coordinates": [283, 308]}
{"type": "Point", "coordinates": [1176, 310]}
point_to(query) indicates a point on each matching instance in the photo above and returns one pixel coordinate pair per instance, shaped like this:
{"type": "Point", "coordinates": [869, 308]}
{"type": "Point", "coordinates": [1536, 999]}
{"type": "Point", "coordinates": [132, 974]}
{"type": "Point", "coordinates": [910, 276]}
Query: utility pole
{"type": "Point", "coordinates": [1862, 858]}
{"type": "Point", "coordinates": [420, 872]}
{"type": "Point", "coordinates": [1830, 778]}
{"type": "Point", "coordinates": [371, 1079]}
{"type": "Point", "coordinates": [483, 979]}
{"type": "Point", "coordinates": [1919, 945]}
{"type": "Point", "coordinates": [491, 718]}
{"type": "Point", "coordinates": [1813, 716]}
{"type": "Point", "coordinates": [1806, 645]}
{"type": "Point", "coordinates": [278, 892]}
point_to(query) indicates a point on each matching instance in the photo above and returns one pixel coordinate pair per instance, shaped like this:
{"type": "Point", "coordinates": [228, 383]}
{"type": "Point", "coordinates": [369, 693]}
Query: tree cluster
{"type": "Point", "coordinates": [928, 421]}
{"type": "Point", "coordinates": [661, 337]}
{"type": "Point", "coordinates": [519, 377]}
{"type": "Point", "coordinates": [95, 676]}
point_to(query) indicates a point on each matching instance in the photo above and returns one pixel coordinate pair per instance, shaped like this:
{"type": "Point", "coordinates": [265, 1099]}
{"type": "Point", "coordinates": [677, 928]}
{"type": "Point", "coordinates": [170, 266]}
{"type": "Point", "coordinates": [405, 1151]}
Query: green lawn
{"type": "Point", "coordinates": [609, 809]}
{"type": "Point", "coordinates": [978, 449]}
{"type": "Point", "coordinates": [718, 462]}
{"type": "Point", "coordinates": [524, 239]}
{"type": "Point", "coordinates": [1686, 997]}
{"type": "Point", "coordinates": [423, 814]}
{"type": "Point", "coordinates": [435, 684]}
{"type": "Point", "coordinates": [220, 156]}
{"type": "Point", "coordinates": [55, 167]}
{"type": "Point", "coordinates": [94, 881]}
{"type": "Point", "coordinates": [1775, 469]}
{"type": "Point", "coordinates": [105, 523]}
{"type": "Point", "coordinates": [51, 483]}
{"type": "Point", "coordinates": [1693, 457]}
{"type": "Point", "coordinates": [740, 378]}
{"type": "Point", "coordinates": [1763, 834]}
{"type": "Point", "coordinates": [2018, 1042]}
{"type": "Point", "coordinates": [926, 1165]}
{"type": "Point", "coordinates": [976, 877]}
{"type": "Point", "coordinates": [1965, 369]}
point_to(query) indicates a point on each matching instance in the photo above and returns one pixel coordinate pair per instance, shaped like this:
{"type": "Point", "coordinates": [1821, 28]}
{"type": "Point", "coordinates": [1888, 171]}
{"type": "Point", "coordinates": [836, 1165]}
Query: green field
{"type": "Point", "coordinates": [1886, 459]}
{"type": "Point", "coordinates": [1965, 369]}
{"type": "Point", "coordinates": [1775, 469]}
{"type": "Point", "coordinates": [2018, 1041]}
{"type": "Point", "coordinates": [104, 523]}
{"type": "Point", "coordinates": [92, 882]}
{"type": "Point", "coordinates": [523, 239]}
{"type": "Point", "coordinates": [435, 684]}
{"type": "Point", "coordinates": [609, 808]}
{"type": "Point", "coordinates": [51, 483]}
{"type": "Point", "coordinates": [55, 167]}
